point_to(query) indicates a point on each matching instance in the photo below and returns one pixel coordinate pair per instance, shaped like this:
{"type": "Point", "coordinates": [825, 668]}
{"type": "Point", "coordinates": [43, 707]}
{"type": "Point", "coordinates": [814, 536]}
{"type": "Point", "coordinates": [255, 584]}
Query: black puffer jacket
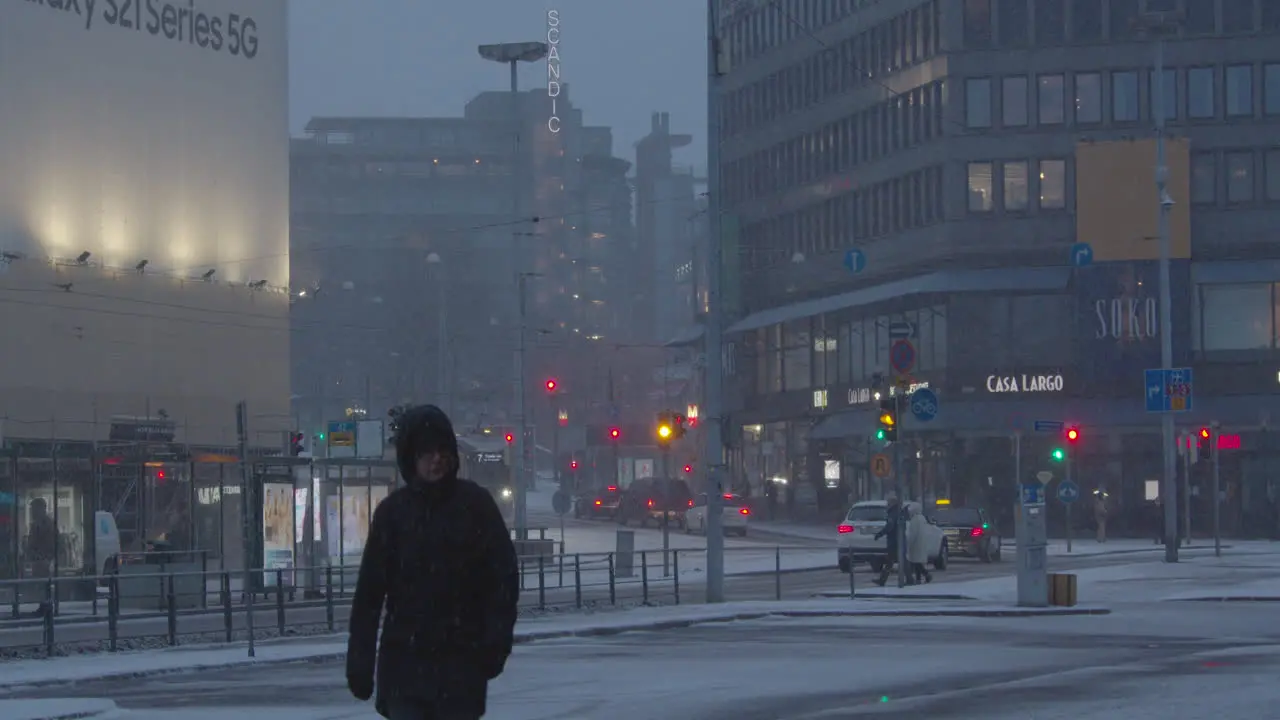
{"type": "Point", "coordinates": [441, 560]}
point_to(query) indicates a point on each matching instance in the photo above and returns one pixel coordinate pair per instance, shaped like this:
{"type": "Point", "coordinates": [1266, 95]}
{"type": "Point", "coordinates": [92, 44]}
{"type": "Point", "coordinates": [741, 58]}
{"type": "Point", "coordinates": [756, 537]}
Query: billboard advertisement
{"type": "Point", "coordinates": [1118, 324]}
{"type": "Point", "coordinates": [147, 130]}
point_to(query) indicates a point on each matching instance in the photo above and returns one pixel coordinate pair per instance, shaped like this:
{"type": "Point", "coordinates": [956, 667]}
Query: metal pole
{"type": "Point", "coordinates": [1169, 486]}
{"type": "Point", "coordinates": [246, 515]}
{"type": "Point", "coordinates": [1067, 472]}
{"type": "Point", "coordinates": [522, 466]}
{"type": "Point", "coordinates": [713, 402]}
{"type": "Point", "coordinates": [898, 472]}
{"type": "Point", "coordinates": [666, 511]}
{"type": "Point", "coordinates": [442, 328]}
{"type": "Point", "coordinates": [1217, 493]}
{"type": "Point", "coordinates": [1186, 493]}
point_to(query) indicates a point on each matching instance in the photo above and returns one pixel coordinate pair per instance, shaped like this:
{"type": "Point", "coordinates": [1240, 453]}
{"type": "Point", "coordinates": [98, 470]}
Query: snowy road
{"type": "Point", "coordinates": [1168, 660]}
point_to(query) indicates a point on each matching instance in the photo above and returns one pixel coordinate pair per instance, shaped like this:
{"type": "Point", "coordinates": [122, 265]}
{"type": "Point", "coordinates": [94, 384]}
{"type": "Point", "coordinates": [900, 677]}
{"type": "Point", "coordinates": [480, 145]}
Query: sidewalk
{"type": "Point", "coordinates": [332, 648]}
{"type": "Point", "coordinates": [67, 709]}
{"type": "Point", "coordinates": [1198, 575]}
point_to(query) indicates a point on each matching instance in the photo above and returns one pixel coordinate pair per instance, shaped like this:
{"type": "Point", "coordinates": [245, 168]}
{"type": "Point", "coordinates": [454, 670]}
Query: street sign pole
{"type": "Point", "coordinates": [1217, 493]}
{"type": "Point", "coordinates": [1169, 487]}
{"type": "Point", "coordinates": [1067, 470]}
{"type": "Point", "coordinates": [901, 490]}
{"type": "Point", "coordinates": [1186, 492]}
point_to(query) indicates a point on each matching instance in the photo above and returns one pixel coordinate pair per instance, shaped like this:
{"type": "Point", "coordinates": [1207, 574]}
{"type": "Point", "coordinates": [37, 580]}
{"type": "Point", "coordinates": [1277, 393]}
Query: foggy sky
{"type": "Point", "coordinates": [622, 59]}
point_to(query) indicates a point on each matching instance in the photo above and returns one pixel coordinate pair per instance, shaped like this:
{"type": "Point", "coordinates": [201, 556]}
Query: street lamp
{"type": "Point", "coordinates": [513, 54]}
{"type": "Point", "coordinates": [442, 327]}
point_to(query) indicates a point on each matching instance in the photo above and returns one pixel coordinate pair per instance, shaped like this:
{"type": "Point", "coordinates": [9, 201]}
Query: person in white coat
{"type": "Point", "coordinates": [917, 545]}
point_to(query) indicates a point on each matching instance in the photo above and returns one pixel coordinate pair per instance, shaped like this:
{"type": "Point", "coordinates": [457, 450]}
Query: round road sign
{"type": "Point", "coordinates": [560, 502]}
{"type": "Point", "coordinates": [902, 356]}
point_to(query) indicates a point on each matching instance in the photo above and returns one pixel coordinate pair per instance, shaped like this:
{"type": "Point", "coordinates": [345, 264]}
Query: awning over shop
{"type": "Point", "coordinates": [1007, 416]}
{"type": "Point", "coordinates": [947, 281]}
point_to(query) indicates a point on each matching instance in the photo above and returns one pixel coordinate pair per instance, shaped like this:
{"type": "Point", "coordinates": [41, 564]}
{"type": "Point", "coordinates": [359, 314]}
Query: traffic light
{"type": "Point", "coordinates": [688, 469]}
{"type": "Point", "coordinates": [295, 444]}
{"type": "Point", "coordinates": [1058, 455]}
{"type": "Point", "coordinates": [679, 425]}
{"type": "Point", "coordinates": [1204, 446]}
{"type": "Point", "coordinates": [888, 431]}
{"type": "Point", "coordinates": [573, 464]}
{"type": "Point", "coordinates": [509, 438]}
{"type": "Point", "coordinates": [666, 427]}
{"type": "Point", "coordinates": [1073, 434]}
{"type": "Point", "coordinates": [551, 385]}
{"type": "Point", "coordinates": [614, 433]}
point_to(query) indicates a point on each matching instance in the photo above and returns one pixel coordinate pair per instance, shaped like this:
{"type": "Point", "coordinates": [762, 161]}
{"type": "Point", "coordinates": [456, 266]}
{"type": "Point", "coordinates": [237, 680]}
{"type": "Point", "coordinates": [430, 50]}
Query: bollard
{"type": "Point", "coordinates": [777, 573]}
{"type": "Point", "coordinates": [577, 581]}
{"type": "Point", "coordinates": [113, 613]}
{"type": "Point", "coordinates": [613, 583]}
{"type": "Point", "coordinates": [250, 594]}
{"type": "Point", "coordinates": [227, 626]}
{"type": "Point", "coordinates": [328, 597]}
{"type": "Point", "coordinates": [675, 573]}
{"type": "Point", "coordinates": [280, 601]}
{"type": "Point", "coordinates": [644, 577]}
{"type": "Point", "coordinates": [47, 616]}
{"type": "Point", "coordinates": [171, 611]}
{"type": "Point", "coordinates": [560, 581]}
{"type": "Point", "coordinates": [542, 583]}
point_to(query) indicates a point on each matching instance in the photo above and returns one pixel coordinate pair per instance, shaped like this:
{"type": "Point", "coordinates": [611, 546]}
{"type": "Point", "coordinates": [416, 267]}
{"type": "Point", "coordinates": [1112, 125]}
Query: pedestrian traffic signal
{"type": "Point", "coordinates": [573, 464]}
{"type": "Point", "coordinates": [509, 438]}
{"type": "Point", "coordinates": [688, 468]}
{"type": "Point", "coordinates": [1073, 434]}
{"type": "Point", "coordinates": [1058, 455]}
{"type": "Point", "coordinates": [551, 385]}
{"type": "Point", "coordinates": [888, 431]}
{"type": "Point", "coordinates": [614, 433]}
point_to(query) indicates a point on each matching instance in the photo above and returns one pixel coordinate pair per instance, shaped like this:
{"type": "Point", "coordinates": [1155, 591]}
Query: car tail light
{"type": "Point", "coordinates": [650, 503]}
{"type": "Point", "coordinates": [976, 532]}
{"type": "Point", "coordinates": [690, 503]}
{"type": "Point", "coordinates": [599, 503]}
{"type": "Point", "coordinates": [745, 511]}
{"type": "Point", "coordinates": [844, 529]}
{"type": "Point", "coordinates": [728, 496]}
{"type": "Point", "coordinates": [612, 488]}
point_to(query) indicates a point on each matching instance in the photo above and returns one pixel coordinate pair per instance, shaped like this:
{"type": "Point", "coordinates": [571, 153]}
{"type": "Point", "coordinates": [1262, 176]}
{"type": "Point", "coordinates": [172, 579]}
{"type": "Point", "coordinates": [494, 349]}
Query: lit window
{"type": "Point", "coordinates": [1015, 186]}
{"type": "Point", "coordinates": [1053, 184]}
{"type": "Point", "coordinates": [980, 187]}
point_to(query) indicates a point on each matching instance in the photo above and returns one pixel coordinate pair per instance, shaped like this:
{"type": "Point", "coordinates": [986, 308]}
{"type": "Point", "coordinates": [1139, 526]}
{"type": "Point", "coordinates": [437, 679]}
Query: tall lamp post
{"type": "Point", "coordinates": [513, 54]}
{"type": "Point", "coordinates": [713, 400]}
{"type": "Point", "coordinates": [442, 328]}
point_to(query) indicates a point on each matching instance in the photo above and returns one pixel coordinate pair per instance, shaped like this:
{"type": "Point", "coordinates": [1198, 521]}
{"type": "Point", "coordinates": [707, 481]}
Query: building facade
{"type": "Point", "coordinates": [963, 149]}
{"type": "Point", "coordinates": [144, 274]}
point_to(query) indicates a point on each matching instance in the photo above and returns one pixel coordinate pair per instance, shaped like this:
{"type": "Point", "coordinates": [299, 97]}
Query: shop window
{"type": "Point", "coordinates": [1013, 102]}
{"type": "Point", "coordinates": [1050, 100]}
{"type": "Point", "coordinates": [1237, 317]}
{"type": "Point", "coordinates": [797, 357]}
{"type": "Point", "coordinates": [980, 187]}
{"type": "Point", "coordinates": [1088, 98]}
{"type": "Point", "coordinates": [977, 103]}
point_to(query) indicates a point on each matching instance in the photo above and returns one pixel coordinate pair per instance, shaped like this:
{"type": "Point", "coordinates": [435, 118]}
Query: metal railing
{"type": "Point", "coordinates": [173, 605]}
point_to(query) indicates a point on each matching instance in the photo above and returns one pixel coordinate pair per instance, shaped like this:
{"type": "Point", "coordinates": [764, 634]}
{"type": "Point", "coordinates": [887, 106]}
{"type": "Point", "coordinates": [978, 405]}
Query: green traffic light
{"type": "Point", "coordinates": [1058, 455]}
{"type": "Point", "coordinates": [880, 434]}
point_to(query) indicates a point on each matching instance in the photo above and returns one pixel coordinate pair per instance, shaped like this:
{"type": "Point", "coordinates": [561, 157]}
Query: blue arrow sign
{"type": "Point", "coordinates": [1167, 390]}
{"type": "Point", "coordinates": [855, 261]}
{"type": "Point", "coordinates": [1047, 425]}
{"type": "Point", "coordinates": [1068, 492]}
{"type": "Point", "coordinates": [924, 404]}
{"type": "Point", "coordinates": [1081, 255]}
{"type": "Point", "coordinates": [1032, 493]}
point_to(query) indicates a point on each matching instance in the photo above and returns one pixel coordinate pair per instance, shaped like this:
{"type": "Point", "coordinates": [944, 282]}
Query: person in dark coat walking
{"type": "Point", "coordinates": [440, 559]}
{"type": "Point", "coordinates": [893, 516]}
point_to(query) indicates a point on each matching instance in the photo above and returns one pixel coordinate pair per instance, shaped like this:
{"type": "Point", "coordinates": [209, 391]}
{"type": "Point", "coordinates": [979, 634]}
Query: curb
{"type": "Point", "coordinates": [1228, 598]}
{"type": "Point", "coordinates": [31, 710]}
{"type": "Point", "coordinates": [835, 594]}
{"type": "Point", "coordinates": [605, 631]}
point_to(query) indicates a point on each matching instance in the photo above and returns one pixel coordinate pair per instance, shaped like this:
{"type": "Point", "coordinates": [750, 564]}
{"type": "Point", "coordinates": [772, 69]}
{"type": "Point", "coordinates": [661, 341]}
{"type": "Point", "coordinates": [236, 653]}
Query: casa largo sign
{"type": "Point", "coordinates": [1024, 383]}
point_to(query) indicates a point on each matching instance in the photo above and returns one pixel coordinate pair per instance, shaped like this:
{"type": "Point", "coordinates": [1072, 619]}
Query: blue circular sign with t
{"type": "Point", "coordinates": [855, 261]}
{"type": "Point", "coordinates": [924, 404]}
{"type": "Point", "coordinates": [1068, 492]}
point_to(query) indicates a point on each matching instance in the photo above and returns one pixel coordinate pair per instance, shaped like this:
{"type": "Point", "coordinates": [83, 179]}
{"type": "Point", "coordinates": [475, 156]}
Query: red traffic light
{"type": "Point", "coordinates": [1073, 434]}
{"type": "Point", "coordinates": [1204, 433]}
{"type": "Point", "coordinates": [614, 433]}
{"type": "Point", "coordinates": [509, 438]}
{"type": "Point", "coordinates": [688, 468]}
{"type": "Point", "coordinates": [573, 464]}
{"type": "Point", "coordinates": [551, 385]}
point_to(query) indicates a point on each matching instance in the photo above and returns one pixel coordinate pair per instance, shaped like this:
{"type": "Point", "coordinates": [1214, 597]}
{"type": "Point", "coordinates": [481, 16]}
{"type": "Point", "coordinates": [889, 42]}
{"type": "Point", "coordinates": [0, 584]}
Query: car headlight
{"type": "Point", "coordinates": [506, 493]}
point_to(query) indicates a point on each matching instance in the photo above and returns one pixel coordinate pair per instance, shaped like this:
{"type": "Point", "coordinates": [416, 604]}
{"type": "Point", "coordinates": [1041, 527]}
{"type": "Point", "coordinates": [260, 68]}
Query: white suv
{"type": "Point", "coordinates": [856, 538]}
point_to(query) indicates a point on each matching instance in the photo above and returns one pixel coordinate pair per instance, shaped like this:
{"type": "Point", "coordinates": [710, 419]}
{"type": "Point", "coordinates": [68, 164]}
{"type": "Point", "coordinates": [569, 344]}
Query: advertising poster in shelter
{"type": "Point", "coordinates": [277, 532]}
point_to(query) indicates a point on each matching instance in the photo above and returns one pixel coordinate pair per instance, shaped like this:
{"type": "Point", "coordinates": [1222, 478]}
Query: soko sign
{"type": "Point", "coordinates": [1024, 383]}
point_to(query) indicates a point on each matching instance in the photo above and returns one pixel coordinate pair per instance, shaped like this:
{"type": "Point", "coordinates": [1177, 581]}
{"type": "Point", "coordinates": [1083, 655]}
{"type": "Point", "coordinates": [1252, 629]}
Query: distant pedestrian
{"type": "Point", "coordinates": [440, 560]}
{"type": "Point", "coordinates": [917, 543]}
{"type": "Point", "coordinates": [890, 532]}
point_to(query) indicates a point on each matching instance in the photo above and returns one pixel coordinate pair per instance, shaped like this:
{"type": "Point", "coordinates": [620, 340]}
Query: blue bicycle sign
{"type": "Point", "coordinates": [924, 404]}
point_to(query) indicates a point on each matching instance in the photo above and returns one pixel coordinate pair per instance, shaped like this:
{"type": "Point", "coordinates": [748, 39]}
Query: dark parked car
{"type": "Point", "coordinates": [969, 531]}
{"type": "Point", "coordinates": [602, 503]}
{"type": "Point", "coordinates": [653, 499]}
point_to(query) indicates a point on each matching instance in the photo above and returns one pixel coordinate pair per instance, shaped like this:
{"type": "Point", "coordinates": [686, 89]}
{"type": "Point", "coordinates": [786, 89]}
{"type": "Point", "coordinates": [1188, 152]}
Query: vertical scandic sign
{"type": "Point", "coordinates": [553, 67]}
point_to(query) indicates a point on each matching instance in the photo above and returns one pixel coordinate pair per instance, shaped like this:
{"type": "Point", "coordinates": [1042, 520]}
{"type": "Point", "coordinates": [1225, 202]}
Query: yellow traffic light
{"type": "Point", "coordinates": [886, 419]}
{"type": "Point", "coordinates": [664, 431]}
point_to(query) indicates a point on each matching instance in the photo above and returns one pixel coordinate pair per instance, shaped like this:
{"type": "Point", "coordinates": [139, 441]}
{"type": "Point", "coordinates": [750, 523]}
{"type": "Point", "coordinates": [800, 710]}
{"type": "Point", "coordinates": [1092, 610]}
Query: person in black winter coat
{"type": "Point", "coordinates": [890, 532]}
{"type": "Point", "coordinates": [440, 559]}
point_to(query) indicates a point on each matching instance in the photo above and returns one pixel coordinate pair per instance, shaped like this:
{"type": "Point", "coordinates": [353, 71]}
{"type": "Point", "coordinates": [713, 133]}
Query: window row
{"type": "Point", "coordinates": [860, 60]}
{"type": "Point", "coordinates": [909, 119]}
{"type": "Point", "coordinates": [1011, 185]}
{"type": "Point", "coordinates": [1011, 24]}
{"type": "Point", "coordinates": [1087, 98]}
{"type": "Point", "coordinates": [1234, 177]}
{"type": "Point", "coordinates": [911, 201]}
{"type": "Point", "coordinates": [1236, 317]}
{"type": "Point", "coordinates": [823, 351]}
{"type": "Point", "coordinates": [765, 26]}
